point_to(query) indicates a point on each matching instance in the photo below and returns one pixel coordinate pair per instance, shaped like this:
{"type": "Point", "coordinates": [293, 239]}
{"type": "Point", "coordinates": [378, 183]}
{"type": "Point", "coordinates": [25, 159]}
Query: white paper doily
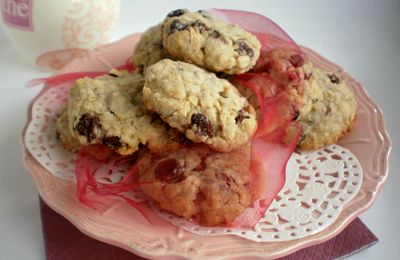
{"type": "Point", "coordinates": [318, 183]}
{"type": "Point", "coordinates": [40, 137]}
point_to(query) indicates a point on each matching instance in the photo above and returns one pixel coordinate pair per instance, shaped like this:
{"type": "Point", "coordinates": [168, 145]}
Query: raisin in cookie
{"type": "Point", "coordinates": [332, 113]}
{"type": "Point", "coordinates": [198, 38]}
{"type": "Point", "coordinates": [109, 110]}
{"type": "Point", "coordinates": [149, 49]}
{"type": "Point", "coordinates": [197, 183]}
{"type": "Point", "coordinates": [67, 140]}
{"type": "Point", "coordinates": [205, 108]}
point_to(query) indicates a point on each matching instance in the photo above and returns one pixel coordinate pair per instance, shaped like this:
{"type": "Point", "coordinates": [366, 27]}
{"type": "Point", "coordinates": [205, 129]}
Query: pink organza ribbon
{"type": "Point", "coordinates": [66, 78]}
{"type": "Point", "coordinates": [268, 32]}
{"type": "Point", "coordinates": [270, 151]}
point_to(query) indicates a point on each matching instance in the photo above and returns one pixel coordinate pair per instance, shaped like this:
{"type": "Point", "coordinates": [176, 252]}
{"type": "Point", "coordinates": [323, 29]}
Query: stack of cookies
{"type": "Point", "coordinates": [190, 124]}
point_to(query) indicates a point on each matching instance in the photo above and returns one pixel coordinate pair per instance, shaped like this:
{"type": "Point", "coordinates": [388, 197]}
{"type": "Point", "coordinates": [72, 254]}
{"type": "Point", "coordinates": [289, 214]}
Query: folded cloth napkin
{"type": "Point", "coordinates": [62, 240]}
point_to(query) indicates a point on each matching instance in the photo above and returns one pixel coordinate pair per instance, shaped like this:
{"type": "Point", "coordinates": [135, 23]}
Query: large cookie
{"type": "Point", "coordinates": [332, 113]}
{"type": "Point", "coordinates": [149, 49]}
{"type": "Point", "coordinates": [197, 183]}
{"type": "Point", "coordinates": [207, 109]}
{"type": "Point", "coordinates": [109, 110]}
{"type": "Point", "coordinates": [198, 38]}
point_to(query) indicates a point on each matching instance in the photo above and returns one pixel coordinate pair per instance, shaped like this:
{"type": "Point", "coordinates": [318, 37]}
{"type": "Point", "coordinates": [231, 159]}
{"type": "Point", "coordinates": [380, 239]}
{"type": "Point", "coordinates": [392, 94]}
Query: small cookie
{"type": "Point", "coordinates": [197, 183]}
{"type": "Point", "coordinates": [67, 140]}
{"type": "Point", "coordinates": [332, 114]}
{"type": "Point", "coordinates": [205, 108]}
{"type": "Point", "coordinates": [149, 49]}
{"type": "Point", "coordinates": [109, 110]}
{"type": "Point", "coordinates": [198, 38]}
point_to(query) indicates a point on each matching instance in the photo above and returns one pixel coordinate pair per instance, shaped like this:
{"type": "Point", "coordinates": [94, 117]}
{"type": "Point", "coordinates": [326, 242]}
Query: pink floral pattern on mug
{"type": "Point", "coordinates": [89, 23]}
{"type": "Point", "coordinates": [86, 24]}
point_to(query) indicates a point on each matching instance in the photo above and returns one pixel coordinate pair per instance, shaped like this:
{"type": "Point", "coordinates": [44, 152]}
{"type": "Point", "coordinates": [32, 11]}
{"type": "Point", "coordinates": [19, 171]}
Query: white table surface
{"type": "Point", "coordinates": [362, 36]}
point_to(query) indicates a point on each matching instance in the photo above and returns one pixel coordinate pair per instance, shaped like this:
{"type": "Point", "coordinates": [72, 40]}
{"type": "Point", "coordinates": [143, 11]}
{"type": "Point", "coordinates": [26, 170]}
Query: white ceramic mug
{"type": "Point", "coordinates": [49, 33]}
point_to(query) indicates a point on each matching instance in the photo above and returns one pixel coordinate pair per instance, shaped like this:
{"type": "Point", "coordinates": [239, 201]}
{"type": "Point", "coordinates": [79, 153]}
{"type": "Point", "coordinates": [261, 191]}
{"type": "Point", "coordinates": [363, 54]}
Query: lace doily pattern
{"type": "Point", "coordinates": [318, 183]}
{"type": "Point", "coordinates": [40, 136]}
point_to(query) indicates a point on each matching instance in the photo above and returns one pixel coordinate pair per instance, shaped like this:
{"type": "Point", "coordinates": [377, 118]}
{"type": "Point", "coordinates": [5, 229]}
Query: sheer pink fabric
{"type": "Point", "coordinates": [272, 145]}
{"type": "Point", "coordinates": [71, 77]}
{"type": "Point", "coordinates": [268, 32]}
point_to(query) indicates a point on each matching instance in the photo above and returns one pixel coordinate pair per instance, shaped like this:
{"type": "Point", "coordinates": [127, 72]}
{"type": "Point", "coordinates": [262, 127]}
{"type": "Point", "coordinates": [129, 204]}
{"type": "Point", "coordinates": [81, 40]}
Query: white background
{"type": "Point", "coordinates": [362, 36]}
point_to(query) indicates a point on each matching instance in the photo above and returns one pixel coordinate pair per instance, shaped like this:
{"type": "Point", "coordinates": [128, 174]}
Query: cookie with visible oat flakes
{"type": "Point", "coordinates": [199, 38]}
{"type": "Point", "coordinates": [200, 105]}
{"type": "Point", "coordinates": [149, 49]}
{"type": "Point", "coordinates": [109, 110]}
{"type": "Point", "coordinates": [331, 116]}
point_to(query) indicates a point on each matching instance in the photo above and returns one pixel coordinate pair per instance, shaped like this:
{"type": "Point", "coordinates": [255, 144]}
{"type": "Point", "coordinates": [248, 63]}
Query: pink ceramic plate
{"type": "Point", "coordinates": [123, 226]}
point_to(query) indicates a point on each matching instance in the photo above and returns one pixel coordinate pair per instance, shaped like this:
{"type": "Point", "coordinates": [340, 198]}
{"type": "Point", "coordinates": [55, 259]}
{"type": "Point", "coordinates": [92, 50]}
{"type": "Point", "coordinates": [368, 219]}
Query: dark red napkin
{"type": "Point", "coordinates": [64, 241]}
